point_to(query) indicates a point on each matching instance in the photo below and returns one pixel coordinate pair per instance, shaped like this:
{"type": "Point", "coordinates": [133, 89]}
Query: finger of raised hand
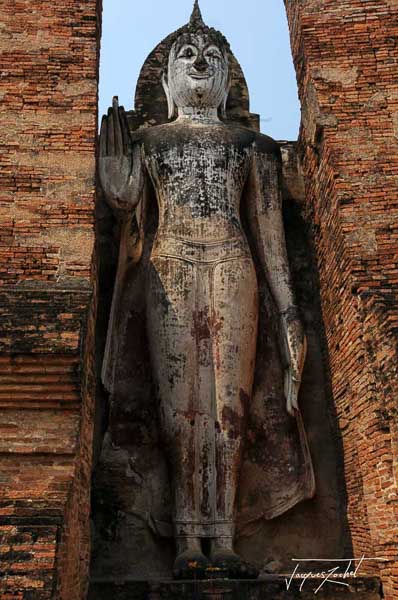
{"type": "Point", "coordinates": [117, 127]}
{"type": "Point", "coordinates": [111, 134]}
{"type": "Point", "coordinates": [103, 137]}
{"type": "Point", "coordinates": [125, 130]}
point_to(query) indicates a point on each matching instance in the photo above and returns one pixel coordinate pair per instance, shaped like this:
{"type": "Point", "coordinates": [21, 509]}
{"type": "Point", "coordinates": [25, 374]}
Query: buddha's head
{"type": "Point", "coordinates": [197, 70]}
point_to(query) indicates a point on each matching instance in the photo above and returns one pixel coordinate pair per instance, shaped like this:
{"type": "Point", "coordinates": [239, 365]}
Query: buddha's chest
{"type": "Point", "coordinates": [197, 161]}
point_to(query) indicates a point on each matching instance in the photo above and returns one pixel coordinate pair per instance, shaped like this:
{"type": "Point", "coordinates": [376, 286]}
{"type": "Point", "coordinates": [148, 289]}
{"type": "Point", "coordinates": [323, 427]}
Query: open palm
{"type": "Point", "coordinates": [115, 163]}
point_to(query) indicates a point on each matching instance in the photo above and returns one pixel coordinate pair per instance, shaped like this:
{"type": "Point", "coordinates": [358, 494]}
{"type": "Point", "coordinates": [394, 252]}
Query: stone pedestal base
{"type": "Point", "coordinates": [272, 588]}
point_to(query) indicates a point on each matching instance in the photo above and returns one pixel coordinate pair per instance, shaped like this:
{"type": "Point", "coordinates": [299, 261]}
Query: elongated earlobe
{"type": "Point", "coordinates": [170, 101]}
{"type": "Point", "coordinates": [224, 102]}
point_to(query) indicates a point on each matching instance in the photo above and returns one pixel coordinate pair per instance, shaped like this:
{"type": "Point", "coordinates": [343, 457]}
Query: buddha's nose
{"type": "Point", "coordinates": [200, 63]}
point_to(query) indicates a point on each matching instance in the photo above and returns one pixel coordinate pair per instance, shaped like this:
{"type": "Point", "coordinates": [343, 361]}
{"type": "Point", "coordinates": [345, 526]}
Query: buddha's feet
{"type": "Point", "coordinates": [191, 564]}
{"type": "Point", "coordinates": [226, 560]}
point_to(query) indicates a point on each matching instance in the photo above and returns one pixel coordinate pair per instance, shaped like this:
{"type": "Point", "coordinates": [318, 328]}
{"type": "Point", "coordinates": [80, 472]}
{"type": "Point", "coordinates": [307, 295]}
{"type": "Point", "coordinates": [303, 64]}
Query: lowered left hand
{"type": "Point", "coordinates": [295, 351]}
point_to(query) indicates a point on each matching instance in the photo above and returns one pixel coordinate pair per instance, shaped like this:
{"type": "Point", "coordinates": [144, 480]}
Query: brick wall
{"type": "Point", "coordinates": [48, 119]}
{"type": "Point", "coordinates": [345, 54]}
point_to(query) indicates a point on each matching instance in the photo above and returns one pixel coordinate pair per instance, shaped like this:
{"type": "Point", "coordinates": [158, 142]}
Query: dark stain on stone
{"type": "Point", "coordinates": [245, 399]}
{"type": "Point", "coordinates": [201, 325]}
{"type": "Point", "coordinates": [232, 422]}
{"type": "Point", "coordinates": [206, 466]}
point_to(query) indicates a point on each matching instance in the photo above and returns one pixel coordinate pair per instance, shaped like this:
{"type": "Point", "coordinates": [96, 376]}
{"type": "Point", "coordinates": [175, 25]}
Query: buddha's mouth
{"type": "Point", "coordinates": [197, 75]}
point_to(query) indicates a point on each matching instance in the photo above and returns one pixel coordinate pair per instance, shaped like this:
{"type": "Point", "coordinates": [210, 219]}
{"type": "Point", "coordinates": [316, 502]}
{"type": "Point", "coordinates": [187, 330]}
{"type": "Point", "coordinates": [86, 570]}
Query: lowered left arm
{"type": "Point", "coordinates": [266, 223]}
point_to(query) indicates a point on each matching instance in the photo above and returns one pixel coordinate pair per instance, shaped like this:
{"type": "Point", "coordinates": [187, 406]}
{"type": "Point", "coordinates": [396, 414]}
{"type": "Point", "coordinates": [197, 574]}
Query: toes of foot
{"type": "Point", "coordinates": [190, 565]}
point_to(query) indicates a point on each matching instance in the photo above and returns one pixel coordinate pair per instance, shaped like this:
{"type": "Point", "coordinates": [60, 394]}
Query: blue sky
{"type": "Point", "coordinates": [256, 29]}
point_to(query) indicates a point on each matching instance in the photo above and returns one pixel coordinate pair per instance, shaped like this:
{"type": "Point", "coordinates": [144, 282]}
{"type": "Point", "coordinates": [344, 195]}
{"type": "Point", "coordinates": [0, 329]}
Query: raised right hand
{"type": "Point", "coordinates": [115, 159]}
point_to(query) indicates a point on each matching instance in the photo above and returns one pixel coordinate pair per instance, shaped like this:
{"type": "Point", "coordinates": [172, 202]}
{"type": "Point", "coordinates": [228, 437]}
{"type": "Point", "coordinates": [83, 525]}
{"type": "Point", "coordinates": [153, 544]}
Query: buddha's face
{"type": "Point", "coordinates": [198, 72]}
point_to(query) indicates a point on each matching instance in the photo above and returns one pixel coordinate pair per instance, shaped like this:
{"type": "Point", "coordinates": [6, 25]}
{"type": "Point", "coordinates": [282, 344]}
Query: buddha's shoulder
{"type": "Point", "coordinates": [227, 132]}
{"type": "Point", "coordinates": [266, 145]}
{"type": "Point", "coordinates": [162, 135]}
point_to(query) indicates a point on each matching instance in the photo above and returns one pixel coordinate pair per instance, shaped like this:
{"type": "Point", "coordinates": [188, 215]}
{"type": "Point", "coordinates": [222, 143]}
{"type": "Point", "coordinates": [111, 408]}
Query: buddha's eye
{"type": "Point", "coordinates": [187, 53]}
{"type": "Point", "coordinates": [213, 53]}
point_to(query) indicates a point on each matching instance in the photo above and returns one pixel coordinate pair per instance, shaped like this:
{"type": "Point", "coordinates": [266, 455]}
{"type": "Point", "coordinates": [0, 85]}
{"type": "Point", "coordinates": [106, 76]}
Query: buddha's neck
{"type": "Point", "coordinates": [198, 114]}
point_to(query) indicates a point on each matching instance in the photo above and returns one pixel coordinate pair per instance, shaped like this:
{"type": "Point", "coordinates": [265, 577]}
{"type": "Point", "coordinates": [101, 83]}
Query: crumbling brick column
{"type": "Point", "coordinates": [48, 119]}
{"type": "Point", "coordinates": [345, 55]}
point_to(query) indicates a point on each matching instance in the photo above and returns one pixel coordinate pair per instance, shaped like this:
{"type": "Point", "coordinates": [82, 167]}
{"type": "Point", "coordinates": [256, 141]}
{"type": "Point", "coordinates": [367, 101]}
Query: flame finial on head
{"type": "Point", "coordinates": [196, 19]}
